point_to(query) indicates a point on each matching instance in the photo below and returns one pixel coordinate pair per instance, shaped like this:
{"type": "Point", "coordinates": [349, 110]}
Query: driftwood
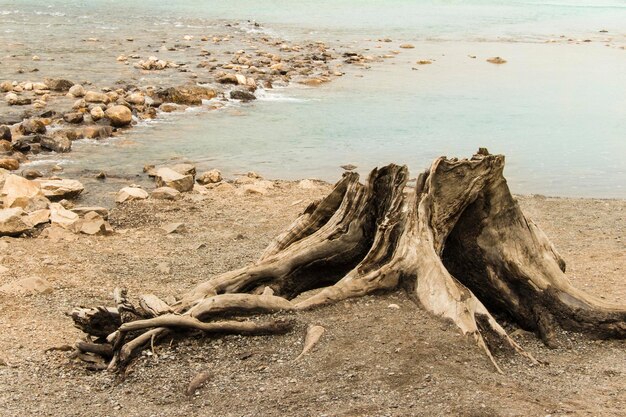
{"type": "Point", "coordinates": [457, 241]}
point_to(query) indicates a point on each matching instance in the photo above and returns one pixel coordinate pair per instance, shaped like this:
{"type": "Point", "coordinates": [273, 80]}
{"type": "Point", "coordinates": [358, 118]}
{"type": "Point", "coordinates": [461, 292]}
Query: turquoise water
{"type": "Point", "coordinates": [557, 110]}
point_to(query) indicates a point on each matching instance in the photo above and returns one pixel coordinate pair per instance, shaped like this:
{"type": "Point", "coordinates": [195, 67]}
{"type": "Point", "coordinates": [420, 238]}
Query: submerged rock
{"type": "Point", "coordinates": [119, 116]}
{"type": "Point", "coordinates": [242, 95]}
{"type": "Point", "coordinates": [191, 95]}
{"type": "Point", "coordinates": [497, 60]}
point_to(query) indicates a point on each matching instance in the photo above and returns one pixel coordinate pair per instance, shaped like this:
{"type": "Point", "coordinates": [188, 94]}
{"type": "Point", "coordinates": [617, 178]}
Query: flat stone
{"type": "Point", "coordinates": [82, 211]}
{"type": "Point", "coordinates": [27, 286]}
{"type": "Point", "coordinates": [167, 177]}
{"type": "Point", "coordinates": [130, 193]}
{"type": "Point", "coordinates": [20, 192]}
{"type": "Point", "coordinates": [166, 193]}
{"type": "Point", "coordinates": [58, 189]}
{"type": "Point", "coordinates": [174, 228]}
{"type": "Point", "coordinates": [61, 216]}
{"type": "Point", "coordinates": [13, 222]}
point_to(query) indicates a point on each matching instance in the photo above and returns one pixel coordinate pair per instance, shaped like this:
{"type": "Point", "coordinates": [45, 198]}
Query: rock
{"type": "Point", "coordinates": [348, 167]}
{"type": "Point", "coordinates": [210, 177]}
{"type": "Point", "coordinates": [31, 174]}
{"type": "Point", "coordinates": [119, 115]}
{"type": "Point", "coordinates": [253, 189]}
{"type": "Point", "coordinates": [5, 133]}
{"type": "Point", "coordinates": [313, 82]}
{"type": "Point", "coordinates": [166, 193]}
{"type": "Point", "coordinates": [22, 193]}
{"type": "Point", "coordinates": [14, 100]}
{"type": "Point", "coordinates": [77, 90]}
{"type": "Point", "coordinates": [27, 286]}
{"type": "Point", "coordinates": [308, 184]}
{"type": "Point", "coordinates": [184, 169]}
{"type": "Point", "coordinates": [97, 132]}
{"type": "Point", "coordinates": [9, 163]}
{"type": "Point", "coordinates": [171, 107]}
{"type": "Point", "coordinates": [101, 211]}
{"type": "Point", "coordinates": [407, 46]}
{"type": "Point", "coordinates": [73, 117]}
{"type": "Point", "coordinates": [79, 104]}
{"type": "Point", "coordinates": [93, 224]}
{"type": "Point", "coordinates": [6, 86]}
{"type": "Point", "coordinates": [130, 194]}
{"type": "Point", "coordinates": [394, 306]}
{"type": "Point", "coordinates": [57, 84]}
{"type": "Point", "coordinates": [60, 216]}
{"type": "Point", "coordinates": [136, 99]}
{"type": "Point", "coordinates": [167, 177]}
{"type": "Point", "coordinates": [149, 169]}
{"type": "Point", "coordinates": [424, 62]}
{"type": "Point", "coordinates": [242, 95]}
{"type": "Point", "coordinates": [225, 187]}
{"type": "Point", "coordinates": [56, 234]}
{"type": "Point", "coordinates": [31, 127]}
{"type": "Point", "coordinates": [59, 144]}
{"type": "Point", "coordinates": [95, 97]}
{"type": "Point", "coordinates": [96, 113]}
{"type": "Point", "coordinates": [227, 79]}
{"type": "Point", "coordinates": [252, 174]}
{"type": "Point", "coordinates": [173, 228]}
{"type": "Point", "coordinates": [497, 60]}
{"type": "Point", "coordinates": [5, 146]}
{"type": "Point", "coordinates": [38, 217]}
{"type": "Point", "coordinates": [13, 222]}
{"type": "Point", "coordinates": [57, 189]}
{"type": "Point", "coordinates": [191, 95]}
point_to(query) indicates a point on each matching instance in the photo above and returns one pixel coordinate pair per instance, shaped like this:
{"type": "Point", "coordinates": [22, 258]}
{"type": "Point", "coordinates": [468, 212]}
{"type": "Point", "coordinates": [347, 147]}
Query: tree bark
{"type": "Point", "coordinates": [457, 241]}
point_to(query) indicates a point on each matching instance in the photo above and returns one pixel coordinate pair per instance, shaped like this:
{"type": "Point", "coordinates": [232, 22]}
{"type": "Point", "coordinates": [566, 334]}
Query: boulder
{"type": "Point", "coordinates": [38, 217]}
{"type": "Point", "coordinates": [130, 193]}
{"type": "Point", "coordinates": [59, 144]}
{"type": "Point", "coordinates": [184, 169]}
{"type": "Point", "coordinates": [96, 97]}
{"type": "Point", "coordinates": [77, 90]}
{"type": "Point", "coordinates": [93, 224]}
{"type": "Point", "coordinates": [73, 117]}
{"type": "Point", "coordinates": [13, 222]}
{"type": "Point", "coordinates": [166, 193]}
{"type": "Point", "coordinates": [27, 286]}
{"type": "Point", "coordinates": [57, 84]}
{"type": "Point", "coordinates": [496, 60]}
{"type": "Point", "coordinates": [119, 116]}
{"type": "Point", "coordinates": [6, 86]}
{"type": "Point", "coordinates": [20, 192]}
{"type": "Point", "coordinates": [171, 107]}
{"type": "Point", "coordinates": [58, 189]}
{"type": "Point", "coordinates": [210, 177]}
{"type": "Point", "coordinates": [167, 177]}
{"type": "Point", "coordinates": [136, 99]}
{"type": "Point", "coordinates": [97, 132]}
{"type": "Point", "coordinates": [9, 163]}
{"type": "Point", "coordinates": [79, 104]}
{"type": "Point", "coordinates": [5, 145]}
{"type": "Point", "coordinates": [242, 95]}
{"type": "Point", "coordinates": [14, 100]}
{"type": "Point", "coordinates": [31, 127]}
{"type": "Point", "coordinates": [31, 173]}
{"type": "Point", "coordinates": [96, 113]}
{"type": "Point", "coordinates": [188, 94]}
{"type": "Point", "coordinates": [227, 79]}
{"type": "Point", "coordinates": [5, 133]}
{"type": "Point", "coordinates": [60, 216]}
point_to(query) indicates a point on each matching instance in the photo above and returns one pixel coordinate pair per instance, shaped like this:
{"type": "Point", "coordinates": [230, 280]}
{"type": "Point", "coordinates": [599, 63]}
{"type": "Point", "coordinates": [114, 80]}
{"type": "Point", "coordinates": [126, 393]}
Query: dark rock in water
{"type": "Point", "coordinates": [242, 95]}
{"type": "Point", "coordinates": [48, 114]}
{"type": "Point", "coordinates": [32, 126]}
{"type": "Point", "coordinates": [57, 144]}
{"type": "Point", "coordinates": [73, 117]}
{"type": "Point", "coordinates": [191, 95]}
{"type": "Point", "coordinates": [349, 167]}
{"type": "Point", "coordinates": [57, 84]}
{"type": "Point", "coordinates": [5, 133]}
{"type": "Point", "coordinates": [23, 144]}
{"type": "Point", "coordinates": [31, 174]}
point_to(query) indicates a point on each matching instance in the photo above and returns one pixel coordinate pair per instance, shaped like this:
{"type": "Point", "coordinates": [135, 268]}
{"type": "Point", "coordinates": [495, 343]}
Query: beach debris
{"type": "Point", "coordinates": [348, 167]}
{"type": "Point", "coordinates": [407, 46]}
{"type": "Point", "coordinates": [497, 60]}
{"type": "Point", "coordinates": [424, 62]}
{"type": "Point", "coordinates": [313, 335]}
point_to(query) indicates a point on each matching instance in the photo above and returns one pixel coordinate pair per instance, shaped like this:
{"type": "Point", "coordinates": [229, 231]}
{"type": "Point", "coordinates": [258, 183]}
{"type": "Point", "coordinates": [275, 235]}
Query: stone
{"type": "Point", "coordinates": [210, 177]}
{"type": "Point", "coordinates": [94, 224]}
{"type": "Point", "coordinates": [79, 104]}
{"type": "Point", "coordinates": [173, 228]}
{"type": "Point", "coordinates": [37, 217]}
{"type": "Point", "coordinates": [31, 173]}
{"type": "Point", "coordinates": [73, 117]}
{"type": "Point", "coordinates": [9, 163]}
{"type": "Point", "coordinates": [5, 145]}
{"type": "Point", "coordinates": [59, 144]}
{"type": "Point", "coordinates": [253, 189]}
{"type": "Point", "coordinates": [57, 189]}
{"type": "Point", "coordinates": [184, 169]}
{"type": "Point", "coordinates": [424, 62]}
{"type": "Point", "coordinates": [136, 99]}
{"type": "Point", "coordinates": [171, 107]}
{"type": "Point", "coordinates": [119, 116]}
{"type": "Point", "coordinates": [31, 127]}
{"type": "Point", "coordinates": [191, 95]}
{"type": "Point", "coordinates": [20, 192]}
{"type": "Point", "coordinates": [407, 46]}
{"type": "Point", "coordinates": [27, 286]}
{"type": "Point", "coordinates": [307, 184]}
{"type": "Point", "coordinates": [13, 222]}
{"type": "Point", "coordinates": [77, 90]}
{"type": "Point", "coordinates": [95, 97]}
{"type": "Point", "coordinates": [225, 187]}
{"type": "Point", "coordinates": [6, 86]}
{"type": "Point", "coordinates": [97, 132]}
{"type": "Point", "coordinates": [166, 193]}
{"type": "Point", "coordinates": [5, 133]}
{"type": "Point", "coordinates": [100, 211]}
{"type": "Point", "coordinates": [227, 79]}
{"type": "Point", "coordinates": [130, 194]}
{"type": "Point", "coordinates": [96, 113]}
{"type": "Point", "coordinates": [313, 82]}
{"type": "Point", "coordinates": [497, 60]}
{"type": "Point", "coordinates": [242, 95]}
{"type": "Point", "coordinates": [61, 216]}
{"type": "Point", "coordinates": [57, 84]}
{"type": "Point", "coordinates": [13, 99]}
{"type": "Point", "coordinates": [167, 177]}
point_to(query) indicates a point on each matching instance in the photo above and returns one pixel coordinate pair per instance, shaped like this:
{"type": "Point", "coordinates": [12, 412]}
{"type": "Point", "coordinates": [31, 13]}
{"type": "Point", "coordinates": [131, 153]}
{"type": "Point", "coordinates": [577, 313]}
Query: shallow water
{"type": "Point", "coordinates": [555, 109]}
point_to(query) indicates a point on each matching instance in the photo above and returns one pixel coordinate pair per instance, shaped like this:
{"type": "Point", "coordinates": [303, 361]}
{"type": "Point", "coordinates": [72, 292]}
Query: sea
{"type": "Point", "coordinates": [556, 109]}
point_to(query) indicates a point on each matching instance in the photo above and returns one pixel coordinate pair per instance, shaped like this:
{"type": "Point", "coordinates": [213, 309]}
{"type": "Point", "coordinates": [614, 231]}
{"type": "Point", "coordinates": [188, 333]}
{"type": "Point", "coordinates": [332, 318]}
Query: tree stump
{"type": "Point", "coordinates": [457, 241]}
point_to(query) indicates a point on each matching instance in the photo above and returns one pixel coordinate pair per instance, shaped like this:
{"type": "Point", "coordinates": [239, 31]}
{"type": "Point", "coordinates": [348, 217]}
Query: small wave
{"type": "Point", "coordinates": [264, 95]}
{"type": "Point", "coordinates": [55, 14]}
